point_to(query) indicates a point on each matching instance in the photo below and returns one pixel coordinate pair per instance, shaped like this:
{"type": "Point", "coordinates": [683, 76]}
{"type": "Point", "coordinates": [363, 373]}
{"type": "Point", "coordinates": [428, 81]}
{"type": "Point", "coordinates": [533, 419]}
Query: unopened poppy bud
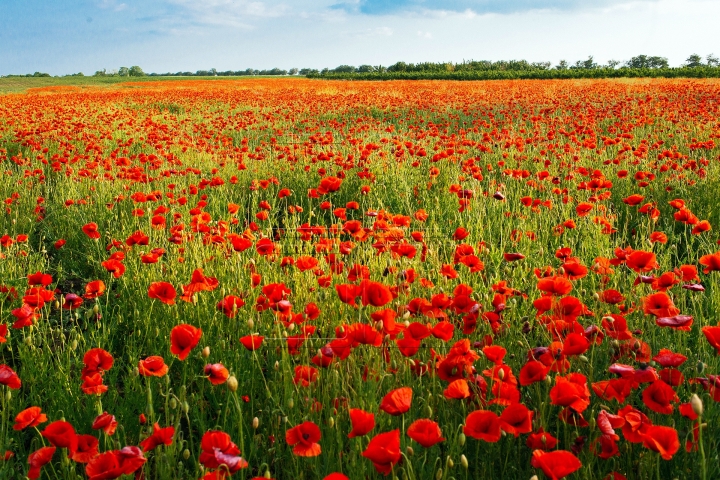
{"type": "Point", "coordinates": [449, 462]}
{"type": "Point", "coordinates": [331, 422]}
{"type": "Point", "coordinates": [464, 461]}
{"type": "Point", "coordinates": [28, 341]}
{"type": "Point", "coordinates": [409, 451]}
{"type": "Point", "coordinates": [439, 474]}
{"type": "Point", "coordinates": [255, 423]}
{"type": "Point", "coordinates": [696, 404]}
{"type": "Point", "coordinates": [173, 403]}
{"type": "Point", "coordinates": [291, 403]}
{"type": "Point", "coordinates": [561, 271]}
{"type": "Point", "coordinates": [534, 477]}
{"type": "Point", "coordinates": [583, 358]}
{"type": "Point", "coordinates": [503, 433]}
{"type": "Point", "coordinates": [232, 383]}
{"type": "Point", "coordinates": [406, 315]}
{"type": "Point", "coordinates": [596, 296]}
{"type": "Point", "coordinates": [277, 365]}
{"type": "Point", "coordinates": [501, 374]}
{"type": "Point", "coordinates": [461, 439]}
{"type": "Point", "coordinates": [186, 454]}
{"type": "Point", "coordinates": [8, 395]}
{"type": "Point", "coordinates": [251, 323]}
{"type": "Point", "coordinates": [73, 345]}
{"type": "Point", "coordinates": [548, 380]}
{"type": "Point", "coordinates": [291, 328]}
{"type": "Point", "coordinates": [700, 367]}
{"type": "Point", "coordinates": [206, 352]}
{"type": "Point", "coordinates": [592, 423]}
{"type": "Point", "coordinates": [95, 309]}
{"type": "Point", "coordinates": [56, 304]}
{"type": "Point", "coordinates": [284, 419]}
{"type": "Point", "coordinates": [186, 407]}
{"type": "Point", "coordinates": [267, 474]}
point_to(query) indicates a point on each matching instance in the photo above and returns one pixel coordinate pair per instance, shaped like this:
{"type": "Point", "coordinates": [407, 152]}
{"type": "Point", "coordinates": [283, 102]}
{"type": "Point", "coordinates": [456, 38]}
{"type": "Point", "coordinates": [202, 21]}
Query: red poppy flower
{"type": "Point", "coordinates": [162, 291]}
{"type": "Point", "coordinates": [3, 333]}
{"type": "Point", "coordinates": [30, 417]}
{"type": "Point", "coordinates": [184, 338]}
{"type": "Point", "coordinates": [153, 366]}
{"type": "Point", "coordinates": [555, 286]}
{"type": "Point", "coordinates": [230, 305]}
{"type": "Point", "coordinates": [91, 230]}
{"type": "Point", "coordinates": [61, 434]}
{"type": "Point", "coordinates": [516, 419]}
{"type": "Point", "coordinates": [636, 424]}
{"type": "Point", "coordinates": [426, 432]}
{"type": "Point", "coordinates": [557, 464]}
{"type": "Point", "coordinates": [252, 342]}
{"type": "Point", "coordinates": [38, 459]}
{"type": "Point", "coordinates": [374, 293]}
{"type": "Point", "coordinates": [642, 261]}
{"type": "Point", "coordinates": [9, 378]}
{"type": "Point", "coordinates": [659, 397]}
{"type": "Point", "coordinates": [532, 372]}
{"type": "Point", "coordinates": [482, 425]}
{"type": "Point", "coordinates": [87, 449]}
{"type": "Point", "coordinates": [457, 389]}
{"type": "Point", "coordinates": [362, 422]}
{"type": "Point", "coordinates": [571, 391]}
{"type": "Point", "coordinates": [160, 436]}
{"type": "Point", "coordinates": [711, 262]}
{"type": "Point", "coordinates": [115, 463]}
{"type": "Point", "coordinates": [106, 423]}
{"type": "Point", "coordinates": [218, 449]}
{"type": "Point", "coordinates": [541, 440]}
{"type": "Point", "coordinates": [397, 401]}
{"type": "Point", "coordinates": [216, 373]}
{"type": "Point", "coordinates": [712, 334]}
{"type": "Point", "coordinates": [663, 440]}
{"type": "Point", "coordinates": [93, 384]}
{"type": "Point", "coordinates": [384, 451]}
{"type": "Point", "coordinates": [303, 438]}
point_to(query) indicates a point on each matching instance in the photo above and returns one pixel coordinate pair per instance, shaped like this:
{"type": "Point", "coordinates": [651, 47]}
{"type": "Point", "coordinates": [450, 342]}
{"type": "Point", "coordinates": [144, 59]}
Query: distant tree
{"type": "Point", "coordinates": [100, 73]}
{"type": "Point", "coordinates": [136, 71]}
{"type": "Point", "coordinates": [712, 61]}
{"type": "Point", "coordinates": [324, 71]}
{"type": "Point", "coordinates": [345, 69]}
{"type": "Point", "coordinates": [562, 65]}
{"type": "Point", "coordinates": [693, 61]}
{"type": "Point", "coordinates": [541, 65]}
{"type": "Point", "coordinates": [644, 61]}
{"type": "Point", "coordinates": [123, 71]}
{"type": "Point", "coordinates": [40, 74]}
{"type": "Point", "coordinates": [398, 67]}
{"type": "Point", "coordinates": [613, 64]}
{"type": "Point", "coordinates": [588, 64]}
{"type": "Point", "coordinates": [293, 71]}
{"type": "Point", "coordinates": [365, 69]}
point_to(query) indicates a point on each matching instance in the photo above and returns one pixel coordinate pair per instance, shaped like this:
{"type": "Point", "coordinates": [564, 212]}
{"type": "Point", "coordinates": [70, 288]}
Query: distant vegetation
{"type": "Point", "coordinates": [639, 66]}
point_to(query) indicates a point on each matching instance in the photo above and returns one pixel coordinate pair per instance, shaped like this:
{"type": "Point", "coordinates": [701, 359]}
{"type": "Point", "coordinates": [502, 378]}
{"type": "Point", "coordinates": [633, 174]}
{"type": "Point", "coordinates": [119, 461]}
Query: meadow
{"type": "Point", "coordinates": [296, 278]}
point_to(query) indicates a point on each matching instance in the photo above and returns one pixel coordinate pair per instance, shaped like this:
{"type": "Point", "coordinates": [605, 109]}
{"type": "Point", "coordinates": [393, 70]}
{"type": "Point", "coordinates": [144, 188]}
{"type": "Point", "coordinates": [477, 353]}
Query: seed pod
{"type": "Point", "coordinates": [696, 404]}
{"type": "Point", "coordinates": [232, 383]}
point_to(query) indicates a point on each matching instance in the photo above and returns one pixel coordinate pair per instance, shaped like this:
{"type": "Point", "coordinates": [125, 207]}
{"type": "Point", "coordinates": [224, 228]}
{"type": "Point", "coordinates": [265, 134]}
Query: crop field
{"type": "Point", "coordinates": [308, 279]}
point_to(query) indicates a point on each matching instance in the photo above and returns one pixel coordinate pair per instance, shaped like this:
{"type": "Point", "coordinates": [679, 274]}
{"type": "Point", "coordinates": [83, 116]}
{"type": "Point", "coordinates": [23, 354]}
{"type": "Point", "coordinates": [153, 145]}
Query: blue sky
{"type": "Point", "coordinates": [68, 36]}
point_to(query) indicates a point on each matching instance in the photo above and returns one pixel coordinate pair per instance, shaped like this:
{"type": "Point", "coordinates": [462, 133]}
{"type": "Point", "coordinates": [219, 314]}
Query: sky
{"type": "Point", "coordinates": [62, 37]}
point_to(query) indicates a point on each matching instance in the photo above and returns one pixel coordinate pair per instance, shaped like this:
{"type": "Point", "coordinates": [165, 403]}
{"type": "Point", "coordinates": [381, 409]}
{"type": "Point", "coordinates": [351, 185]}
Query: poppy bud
{"type": "Point", "coordinates": [267, 474]}
{"type": "Point", "coordinates": [596, 296]}
{"type": "Point", "coordinates": [700, 367]}
{"type": "Point", "coordinates": [277, 365]}
{"type": "Point", "coordinates": [95, 309]}
{"type": "Point", "coordinates": [583, 358]}
{"type": "Point", "coordinates": [255, 423]}
{"type": "Point", "coordinates": [56, 304]}
{"type": "Point", "coordinates": [291, 403]}
{"type": "Point", "coordinates": [73, 345]}
{"type": "Point", "coordinates": [8, 395]}
{"type": "Point", "coordinates": [173, 403]}
{"type": "Point", "coordinates": [232, 383]}
{"type": "Point", "coordinates": [186, 407]}
{"type": "Point", "coordinates": [449, 462]}
{"type": "Point", "coordinates": [561, 271]}
{"type": "Point", "coordinates": [186, 454]}
{"type": "Point", "coordinates": [534, 477]}
{"type": "Point", "coordinates": [206, 352]}
{"type": "Point", "coordinates": [28, 341]}
{"type": "Point", "coordinates": [405, 316]}
{"type": "Point", "coordinates": [464, 461]}
{"type": "Point", "coordinates": [409, 451]}
{"type": "Point", "coordinates": [461, 439]}
{"type": "Point", "coordinates": [250, 323]}
{"type": "Point", "coordinates": [439, 474]}
{"type": "Point", "coordinates": [331, 422]}
{"type": "Point", "coordinates": [696, 404]}
{"type": "Point", "coordinates": [501, 374]}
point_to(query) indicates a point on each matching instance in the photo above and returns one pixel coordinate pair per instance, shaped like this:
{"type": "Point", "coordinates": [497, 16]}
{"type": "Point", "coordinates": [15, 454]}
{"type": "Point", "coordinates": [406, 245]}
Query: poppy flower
{"type": "Point", "coordinates": [663, 440]}
{"type": "Point", "coordinates": [532, 372]}
{"type": "Point", "coordinates": [303, 438]}
{"type": "Point", "coordinates": [571, 391]}
{"type": "Point", "coordinates": [482, 425]}
{"type": "Point", "coordinates": [516, 419]}
{"type": "Point", "coordinates": [38, 459]}
{"type": "Point", "coordinates": [384, 451]}
{"type": "Point", "coordinates": [230, 305]}
{"type": "Point", "coordinates": [91, 230]}
{"type": "Point", "coordinates": [87, 449]}
{"type": "Point", "coordinates": [374, 293]}
{"type": "Point", "coordinates": [541, 440]}
{"type": "Point", "coordinates": [115, 463]}
{"type": "Point", "coordinates": [636, 424]}
{"type": "Point", "coordinates": [93, 384]}
{"type": "Point", "coordinates": [457, 389]}
{"type": "Point", "coordinates": [153, 366]}
{"type": "Point", "coordinates": [106, 423]}
{"type": "Point", "coordinates": [659, 397]}
{"type": "Point", "coordinates": [184, 338]}
{"type": "Point", "coordinates": [711, 262]}
{"type": "Point", "coordinates": [9, 378]}
{"type": "Point", "coordinates": [3, 333]}
{"type": "Point", "coordinates": [252, 342]}
{"type": "Point", "coordinates": [556, 465]}
{"type": "Point", "coordinates": [160, 436]}
{"type": "Point", "coordinates": [362, 422]}
{"type": "Point", "coordinates": [426, 432]}
{"type": "Point", "coordinates": [642, 261]}
{"type": "Point", "coordinates": [162, 291]}
{"type": "Point", "coordinates": [712, 334]}
{"type": "Point", "coordinates": [30, 417]}
{"type": "Point", "coordinates": [218, 449]}
{"type": "Point", "coordinates": [61, 434]}
{"type": "Point", "coordinates": [216, 373]}
{"type": "Point", "coordinates": [397, 401]}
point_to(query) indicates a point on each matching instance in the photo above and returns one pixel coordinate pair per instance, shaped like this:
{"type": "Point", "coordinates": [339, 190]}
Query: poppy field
{"type": "Point", "coordinates": [294, 278]}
